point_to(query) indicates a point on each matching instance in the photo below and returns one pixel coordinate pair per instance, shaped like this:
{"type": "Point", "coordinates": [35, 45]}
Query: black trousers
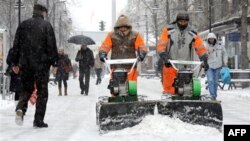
{"type": "Point", "coordinates": [84, 77]}
{"type": "Point", "coordinates": [98, 72]}
{"type": "Point", "coordinates": [28, 78]}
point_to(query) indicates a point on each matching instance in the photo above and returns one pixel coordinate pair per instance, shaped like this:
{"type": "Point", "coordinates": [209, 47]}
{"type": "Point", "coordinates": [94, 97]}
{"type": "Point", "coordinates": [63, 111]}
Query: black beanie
{"type": "Point", "coordinates": [40, 8]}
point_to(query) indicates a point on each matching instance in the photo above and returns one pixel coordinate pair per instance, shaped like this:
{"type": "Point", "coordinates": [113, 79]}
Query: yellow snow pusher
{"type": "Point", "coordinates": [127, 108]}
{"type": "Point", "coordinates": [188, 104]}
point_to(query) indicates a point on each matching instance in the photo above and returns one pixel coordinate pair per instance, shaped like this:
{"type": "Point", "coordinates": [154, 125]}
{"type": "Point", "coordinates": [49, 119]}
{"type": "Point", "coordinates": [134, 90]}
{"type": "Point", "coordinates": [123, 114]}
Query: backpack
{"type": "Point", "coordinates": [67, 65]}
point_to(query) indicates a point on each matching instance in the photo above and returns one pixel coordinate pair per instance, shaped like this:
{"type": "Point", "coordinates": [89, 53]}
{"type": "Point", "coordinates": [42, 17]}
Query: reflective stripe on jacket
{"type": "Point", "coordinates": [178, 45]}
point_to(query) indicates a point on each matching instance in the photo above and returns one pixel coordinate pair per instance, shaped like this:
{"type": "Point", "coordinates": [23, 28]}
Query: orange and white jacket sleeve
{"type": "Point", "coordinates": [106, 44]}
{"type": "Point", "coordinates": [199, 46]}
{"type": "Point", "coordinates": [163, 41]}
{"type": "Point", "coordinates": [139, 44]}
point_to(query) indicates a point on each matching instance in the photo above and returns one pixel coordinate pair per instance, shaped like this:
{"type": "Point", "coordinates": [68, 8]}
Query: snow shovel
{"type": "Point", "coordinates": [124, 109]}
{"type": "Point", "coordinates": [187, 104]}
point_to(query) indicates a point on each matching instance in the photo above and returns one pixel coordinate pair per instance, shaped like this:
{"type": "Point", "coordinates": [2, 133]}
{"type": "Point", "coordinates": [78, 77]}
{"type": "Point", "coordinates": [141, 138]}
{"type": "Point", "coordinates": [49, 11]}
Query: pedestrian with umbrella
{"type": "Point", "coordinates": [86, 60]}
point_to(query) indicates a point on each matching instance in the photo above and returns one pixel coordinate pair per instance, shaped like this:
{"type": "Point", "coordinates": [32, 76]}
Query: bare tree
{"type": "Point", "coordinates": [244, 24]}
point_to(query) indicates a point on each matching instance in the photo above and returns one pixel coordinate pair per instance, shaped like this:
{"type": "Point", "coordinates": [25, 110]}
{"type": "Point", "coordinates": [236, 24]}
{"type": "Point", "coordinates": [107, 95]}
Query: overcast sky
{"type": "Point", "coordinates": [86, 14]}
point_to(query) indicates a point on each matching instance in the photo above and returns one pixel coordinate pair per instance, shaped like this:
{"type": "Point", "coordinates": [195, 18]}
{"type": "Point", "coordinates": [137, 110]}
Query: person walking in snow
{"type": "Point", "coordinates": [86, 60]}
{"type": "Point", "coordinates": [124, 43]}
{"type": "Point", "coordinates": [64, 66]}
{"type": "Point", "coordinates": [217, 58]}
{"type": "Point", "coordinates": [177, 41]}
{"type": "Point", "coordinates": [34, 51]}
{"type": "Point", "coordinates": [98, 69]}
{"type": "Point", "coordinates": [75, 69]}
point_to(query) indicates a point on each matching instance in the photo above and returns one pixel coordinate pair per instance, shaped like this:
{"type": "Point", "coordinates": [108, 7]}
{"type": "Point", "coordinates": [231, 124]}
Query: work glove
{"type": "Point", "coordinates": [141, 54]}
{"type": "Point", "coordinates": [205, 65]}
{"type": "Point", "coordinates": [164, 56]}
{"type": "Point", "coordinates": [103, 56]}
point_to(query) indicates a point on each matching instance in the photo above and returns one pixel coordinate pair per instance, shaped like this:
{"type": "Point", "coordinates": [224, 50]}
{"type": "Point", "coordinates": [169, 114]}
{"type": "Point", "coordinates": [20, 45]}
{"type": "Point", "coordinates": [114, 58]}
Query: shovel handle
{"type": "Point", "coordinates": [197, 63]}
{"type": "Point", "coordinates": [121, 61]}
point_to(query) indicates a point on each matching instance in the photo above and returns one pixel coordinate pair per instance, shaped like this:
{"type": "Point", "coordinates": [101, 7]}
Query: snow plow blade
{"type": "Point", "coordinates": [207, 113]}
{"type": "Point", "coordinates": [119, 115]}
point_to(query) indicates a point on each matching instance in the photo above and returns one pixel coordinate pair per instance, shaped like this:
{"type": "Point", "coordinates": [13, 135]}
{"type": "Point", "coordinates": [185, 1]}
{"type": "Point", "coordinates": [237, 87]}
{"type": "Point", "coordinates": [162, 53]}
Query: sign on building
{"type": "Point", "coordinates": [234, 36]}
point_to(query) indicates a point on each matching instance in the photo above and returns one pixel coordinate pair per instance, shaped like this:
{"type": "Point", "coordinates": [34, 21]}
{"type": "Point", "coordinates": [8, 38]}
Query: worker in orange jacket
{"type": "Point", "coordinates": [177, 42]}
{"type": "Point", "coordinates": [124, 43]}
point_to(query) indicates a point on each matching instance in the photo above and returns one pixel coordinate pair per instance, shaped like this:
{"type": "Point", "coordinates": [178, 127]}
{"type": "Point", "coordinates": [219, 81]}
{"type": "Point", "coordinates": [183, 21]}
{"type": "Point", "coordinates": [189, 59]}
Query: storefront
{"type": "Point", "coordinates": [4, 80]}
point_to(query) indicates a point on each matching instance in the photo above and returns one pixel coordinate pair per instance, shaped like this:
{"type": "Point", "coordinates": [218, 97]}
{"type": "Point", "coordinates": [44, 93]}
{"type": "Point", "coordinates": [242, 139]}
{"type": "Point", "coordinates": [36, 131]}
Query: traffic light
{"type": "Point", "coordinates": [102, 26]}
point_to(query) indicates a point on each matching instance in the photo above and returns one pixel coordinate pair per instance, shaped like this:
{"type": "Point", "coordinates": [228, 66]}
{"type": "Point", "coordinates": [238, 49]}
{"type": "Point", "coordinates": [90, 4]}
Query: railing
{"type": "Point", "coordinates": [238, 76]}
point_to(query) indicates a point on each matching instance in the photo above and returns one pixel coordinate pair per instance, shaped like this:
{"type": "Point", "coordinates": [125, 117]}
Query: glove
{"type": "Point", "coordinates": [204, 59]}
{"type": "Point", "coordinates": [164, 56]}
{"type": "Point", "coordinates": [205, 66]}
{"type": "Point", "coordinates": [102, 56]}
{"type": "Point", "coordinates": [141, 54]}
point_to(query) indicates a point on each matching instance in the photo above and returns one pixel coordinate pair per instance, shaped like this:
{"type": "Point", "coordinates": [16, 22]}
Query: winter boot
{"type": "Point", "coordinates": [60, 91]}
{"type": "Point", "coordinates": [86, 92]}
{"type": "Point", "coordinates": [40, 124]}
{"type": "Point", "coordinates": [19, 117]}
{"type": "Point", "coordinates": [65, 91]}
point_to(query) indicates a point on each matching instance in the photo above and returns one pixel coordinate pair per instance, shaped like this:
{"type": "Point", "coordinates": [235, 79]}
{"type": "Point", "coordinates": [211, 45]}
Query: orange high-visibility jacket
{"type": "Point", "coordinates": [191, 38]}
{"type": "Point", "coordinates": [107, 44]}
{"type": "Point", "coordinates": [121, 50]}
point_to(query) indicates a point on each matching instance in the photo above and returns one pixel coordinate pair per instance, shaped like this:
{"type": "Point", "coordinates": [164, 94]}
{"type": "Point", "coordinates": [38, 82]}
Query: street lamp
{"type": "Point", "coordinates": [210, 13]}
{"type": "Point", "coordinates": [19, 5]}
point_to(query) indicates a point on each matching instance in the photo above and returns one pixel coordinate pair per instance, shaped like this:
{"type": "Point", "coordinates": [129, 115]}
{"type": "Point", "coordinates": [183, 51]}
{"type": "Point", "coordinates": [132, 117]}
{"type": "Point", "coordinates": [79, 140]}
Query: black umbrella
{"type": "Point", "coordinates": [81, 40]}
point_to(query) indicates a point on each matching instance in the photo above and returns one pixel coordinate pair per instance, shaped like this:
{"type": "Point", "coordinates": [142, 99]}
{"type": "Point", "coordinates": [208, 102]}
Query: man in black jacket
{"type": "Point", "coordinates": [34, 51]}
{"type": "Point", "coordinates": [85, 57]}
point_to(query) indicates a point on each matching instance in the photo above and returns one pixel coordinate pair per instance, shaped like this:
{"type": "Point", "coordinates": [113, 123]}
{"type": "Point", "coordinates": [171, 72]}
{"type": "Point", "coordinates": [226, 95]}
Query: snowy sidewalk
{"type": "Point", "coordinates": [73, 118]}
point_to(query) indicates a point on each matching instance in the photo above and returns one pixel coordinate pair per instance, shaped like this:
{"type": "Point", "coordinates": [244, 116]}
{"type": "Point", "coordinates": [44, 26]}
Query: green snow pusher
{"type": "Point", "coordinates": [125, 108]}
{"type": "Point", "coordinates": [188, 104]}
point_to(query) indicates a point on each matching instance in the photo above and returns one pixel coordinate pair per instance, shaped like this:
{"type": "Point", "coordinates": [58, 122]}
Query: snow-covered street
{"type": "Point", "coordinates": [73, 118]}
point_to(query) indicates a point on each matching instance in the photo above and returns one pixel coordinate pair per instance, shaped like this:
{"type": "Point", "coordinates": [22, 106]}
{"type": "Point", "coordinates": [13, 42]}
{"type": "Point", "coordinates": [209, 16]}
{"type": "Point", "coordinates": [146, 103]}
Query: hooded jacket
{"type": "Point", "coordinates": [123, 46]}
{"type": "Point", "coordinates": [217, 55]}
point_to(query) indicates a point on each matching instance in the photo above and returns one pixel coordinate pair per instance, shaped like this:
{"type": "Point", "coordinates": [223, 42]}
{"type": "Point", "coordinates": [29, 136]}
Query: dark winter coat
{"type": "Point", "coordinates": [85, 58]}
{"type": "Point", "coordinates": [61, 73]}
{"type": "Point", "coordinates": [35, 45]}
